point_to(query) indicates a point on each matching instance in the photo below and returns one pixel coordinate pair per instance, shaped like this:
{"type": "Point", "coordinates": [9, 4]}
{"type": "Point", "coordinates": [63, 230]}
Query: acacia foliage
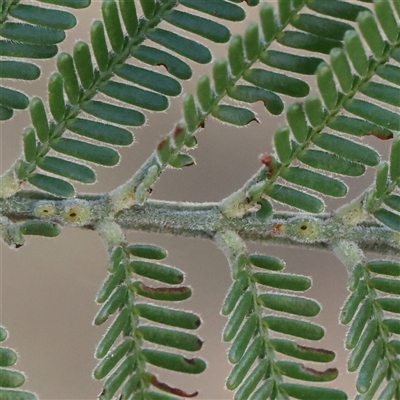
{"type": "Point", "coordinates": [353, 53]}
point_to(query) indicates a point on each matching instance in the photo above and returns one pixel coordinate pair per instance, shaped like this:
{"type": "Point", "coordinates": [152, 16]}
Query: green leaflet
{"type": "Point", "coordinates": [147, 251]}
{"type": "Point", "coordinates": [113, 24]}
{"type": "Point", "coordinates": [358, 324]}
{"type": "Point", "coordinates": [113, 332]}
{"type": "Point", "coordinates": [168, 316]}
{"type": "Point", "coordinates": [388, 218]}
{"type": "Point", "coordinates": [234, 293]}
{"type": "Point", "coordinates": [102, 132]}
{"type": "Point", "coordinates": [297, 121]}
{"type": "Point", "coordinates": [306, 41]}
{"type": "Point", "coordinates": [267, 262]}
{"type": "Point", "coordinates": [269, 23]}
{"type": "Point", "coordinates": [276, 82]}
{"type": "Point", "coordinates": [48, 17]}
{"type": "Point", "coordinates": [394, 169]}
{"type": "Point", "coordinates": [222, 9]}
{"type": "Point", "coordinates": [385, 267]}
{"type": "Point", "coordinates": [370, 32]}
{"type": "Point", "coordinates": [106, 365]}
{"type": "Point", "coordinates": [221, 75]}
{"type": "Point", "coordinates": [112, 113]}
{"type": "Point", "coordinates": [290, 62]}
{"type": "Point", "coordinates": [8, 357]}
{"type": "Point", "coordinates": [26, 50]}
{"type": "Point", "coordinates": [314, 110]}
{"type": "Point", "coordinates": [31, 34]}
{"type": "Point", "coordinates": [158, 272]}
{"type": "Point", "coordinates": [385, 93]}
{"type": "Point", "coordinates": [356, 52]}
{"type": "Point", "coordinates": [250, 94]}
{"type": "Point", "coordinates": [358, 127]}
{"type": "Point", "coordinates": [13, 99]}
{"type": "Point", "coordinates": [181, 45]}
{"type": "Point", "coordinates": [327, 86]}
{"type": "Point", "coordinates": [69, 3]}
{"type": "Point", "coordinates": [293, 349]}
{"type": "Point", "coordinates": [53, 185]}
{"type": "Point", "coordinates": [242, 339]}
{"type": "Point", "coordinates": [115, 301]}
{"type": "Point", "coordinates": [173, 65]}
{"type": "Point", "coordinates": [112, 281]}
{"type": "Point", "coordinates": [114, 382]}
{"type": "Point", "coordinates": [135, 96]}
{"type": "Point", "coordinates": [56, 96]}
{"type": "Point", "coordinates": [41, 228]}
{"type": "Point", "coordinates": [83, 63]}
{"type": "Point", "coordinates": [150, 79]}
{"type": "Point", "coordinates": [315, 181]}
{"type": "Point", "coordinates": [304, 392]}
{"type": "Point", "coordinates": [251, 382]}
{"type": "Point", "coordinates": [174, 362]}
{"type": "Point", "coordinates": [390, 304]}
{"type": "Point", "coordinates": [293, 327]}
{"type": "Point", "coordinates": [330, 162]}
{"type": "Point", "coordinates": [393, 325]}
{"type": "Point", "coordinates": [341, 68]}
{"type": "Point", "coordinates": [296, 198]}
{"type": "Point", "coordinates": [290, 304]}
{"type": "Point", "coordinates": [236, 55]}
{"type": "Point", "coordinates": [65, 65]}
{"type": "Point", "coordinates": [242, 308]}
{"type": "Point", "coordinates": [368, 368]}
{"type": "Point", "coordinates": [390, 73]}
{"type": "Point", "coordinates": [339, 9]}
{"type": "Point", "coordinates": [19, 70]}
{"type": "Point", "coordinates": [352, 303]}
{"type": "Point", "coordinates": [300, 371]}
{"type": "Point", "coordinates": [240, 370]}
{"type": "Point", "coordinates": [392, 201]}
{"type": "Point", "coordinates": [29, 139]}
{"type": "Point", "coordinates": [99, 45]}
{"type": "Point", "coordinates": [386, 285]}
{"type": "Point", "coordinates": [322, 27]}
{"type": "Point", "coordinates": [233, 115]}
{"type": "Point", "coordinates": [170, 338]}
{"type": "Point", "coordinates": [200, 26]}
{"type": "Point", "coordinates": [347, 149]}
{"type": "Point", "coordinates": [86, 151]}
{"type": "Point", "coordinates": [283, 281]}
{"type": "Point", "coordinates": [358, 353]}
{"type": "Point", "coordinates": [129, 16]}
{"type": "Point", "coordinates": [68, 169]}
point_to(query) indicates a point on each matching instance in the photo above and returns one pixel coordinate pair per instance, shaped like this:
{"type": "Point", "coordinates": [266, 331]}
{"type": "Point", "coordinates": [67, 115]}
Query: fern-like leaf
{"type": "Point", "coordinates": [124, 364]}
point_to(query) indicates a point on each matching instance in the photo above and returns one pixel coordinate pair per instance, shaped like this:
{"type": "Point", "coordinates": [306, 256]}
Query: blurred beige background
{"type": "Point", "coordinates": [48, 286]}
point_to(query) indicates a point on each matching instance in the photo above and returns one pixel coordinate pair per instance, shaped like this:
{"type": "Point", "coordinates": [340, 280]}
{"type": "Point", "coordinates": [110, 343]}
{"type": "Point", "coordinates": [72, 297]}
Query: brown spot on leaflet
{"type": "Point", "coordinates": [189, 360]}
{"type": "Point", "coordinates": [380, 135]}
{"type": "Point", "coordinates": [166, 388]}
{"type": "Point", "coordinates": [322, 351]}
{"type": "Point", "coordinates": [150, 289]}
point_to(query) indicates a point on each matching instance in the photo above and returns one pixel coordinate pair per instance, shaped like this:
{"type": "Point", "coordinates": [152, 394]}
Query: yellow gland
{"type": "Point", "coordinates": [307, 229]}
{"type": "Point", "coordinates": [45, 209]}
{"type": "Point", "coordinates": [77, 213]}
